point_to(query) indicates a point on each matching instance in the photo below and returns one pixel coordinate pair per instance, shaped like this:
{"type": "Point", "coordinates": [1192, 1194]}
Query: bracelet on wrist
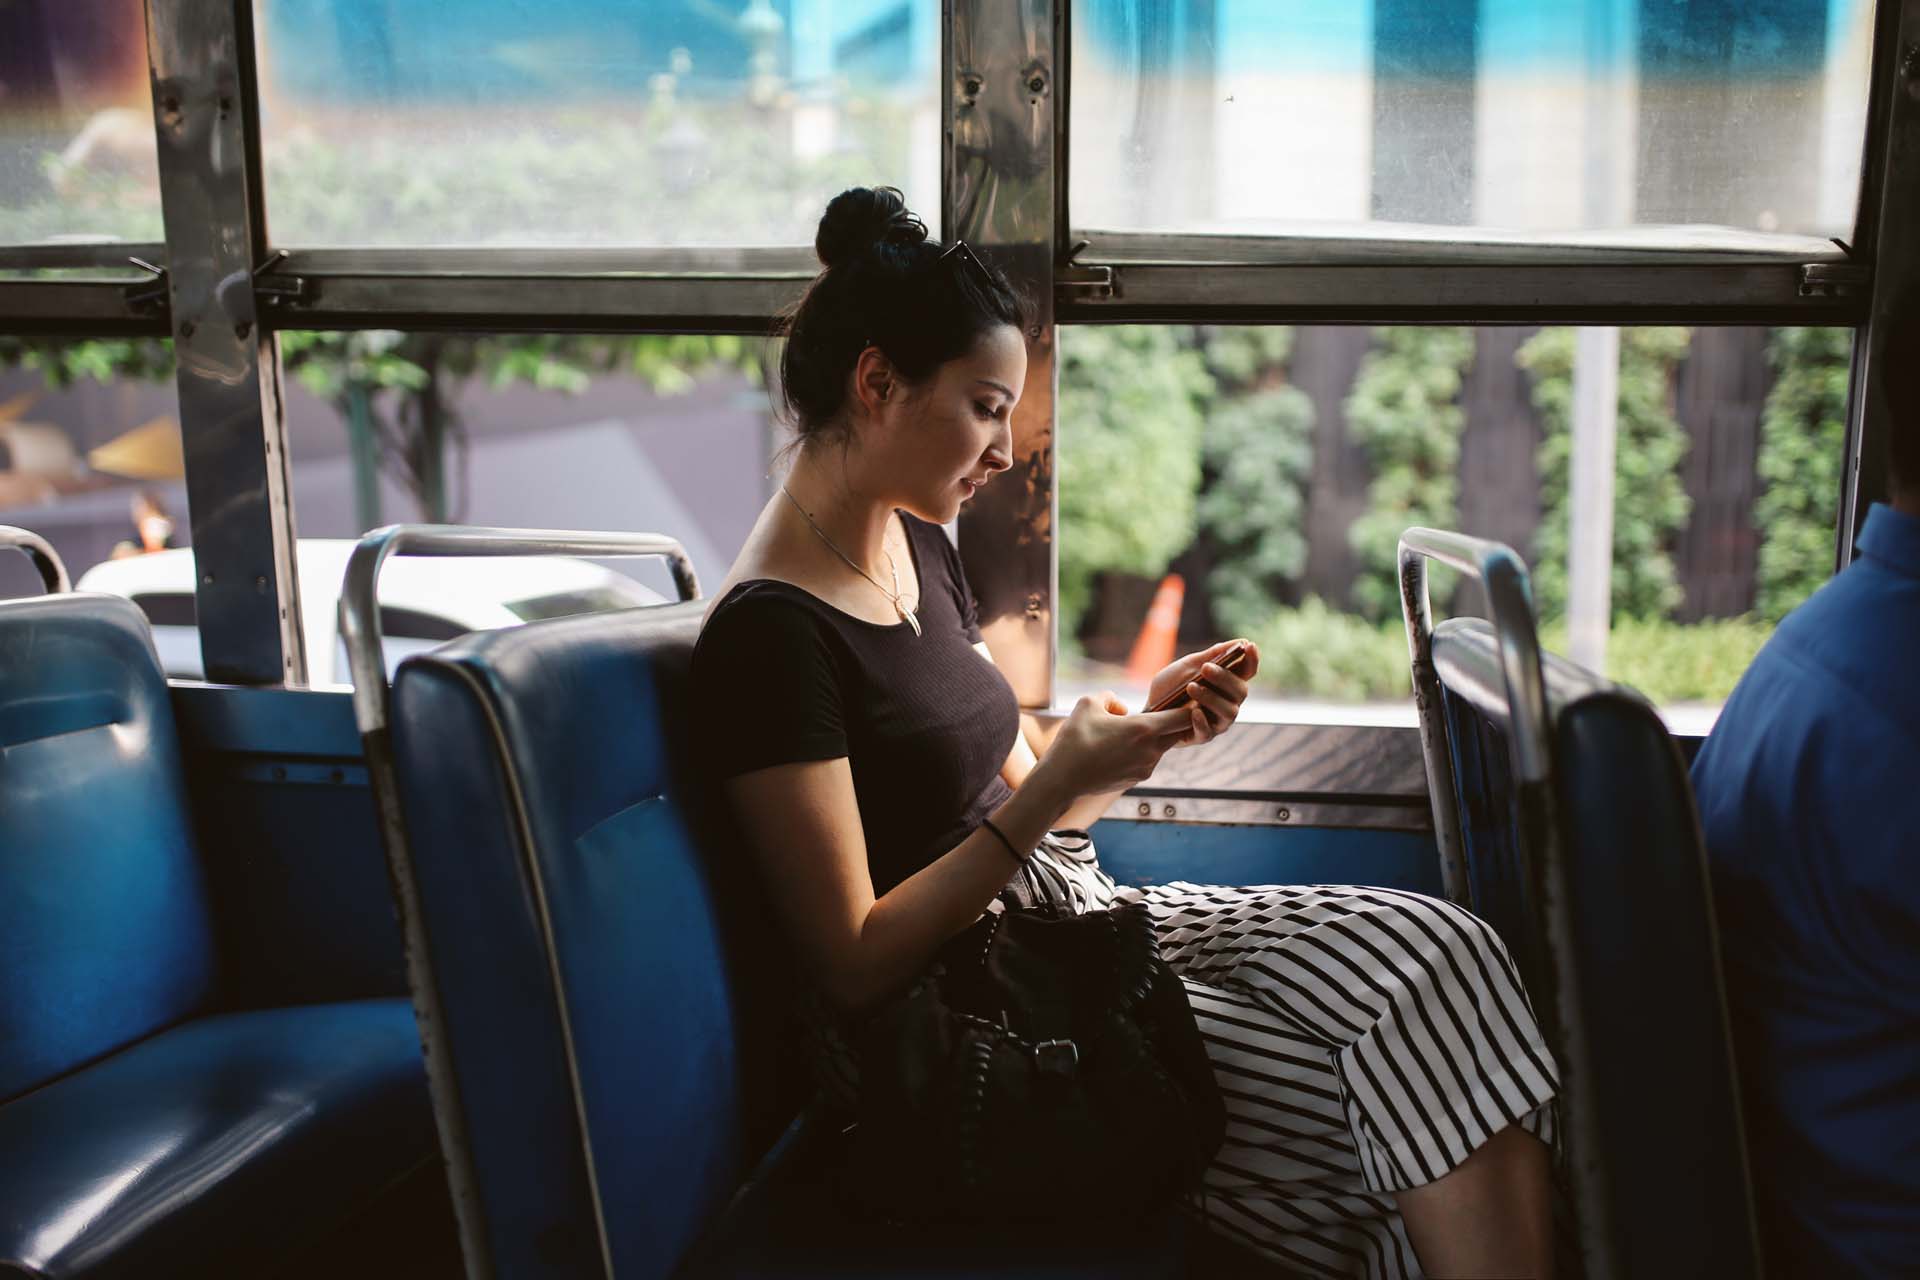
{"type": "Point", "coordinates": [1018, 857]}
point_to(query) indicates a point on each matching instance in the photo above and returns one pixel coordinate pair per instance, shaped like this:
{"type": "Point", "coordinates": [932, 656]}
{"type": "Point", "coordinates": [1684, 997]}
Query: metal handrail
{"type": "Point", "coordinates": [366, 658]}
{"type": "Point", "coordinates": [37, 549]}
{"type": "Point", "coordinates": [1502, 574]}
{"type": "Point", "coordinates": [359, 606]}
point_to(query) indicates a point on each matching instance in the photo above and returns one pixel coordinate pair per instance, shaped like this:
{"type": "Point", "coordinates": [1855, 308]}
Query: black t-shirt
{"type": "Point", "coordinates": [924, 721]}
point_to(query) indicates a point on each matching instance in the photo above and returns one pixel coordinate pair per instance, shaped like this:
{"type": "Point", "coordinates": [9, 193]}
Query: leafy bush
{"type": "Point", "coordinates": [1650, 503]}
{"type": "Point", "coordinates": [1316, 651]}
{"type": "Point", "coordinates": [1802, 434]}
{"type": "Point", "coordinates": [1677, 662]}
{"type": "Point", "coordinates": [1404, 410]}
{"type": "Point", "coordinates": [1128, 453]}
{"type": "Point", "coordinates": [1257, 455]}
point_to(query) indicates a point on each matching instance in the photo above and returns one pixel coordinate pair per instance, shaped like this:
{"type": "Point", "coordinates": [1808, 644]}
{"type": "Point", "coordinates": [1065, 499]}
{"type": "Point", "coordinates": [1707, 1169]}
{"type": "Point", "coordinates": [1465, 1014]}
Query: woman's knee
{"type": "Point", "coordinates": [1435, 925]}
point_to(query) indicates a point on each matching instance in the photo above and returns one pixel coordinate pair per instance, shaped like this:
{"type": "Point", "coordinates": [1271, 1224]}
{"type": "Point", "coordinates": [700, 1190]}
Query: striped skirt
{"type": "Point", "coordinates": [1365, 1041]}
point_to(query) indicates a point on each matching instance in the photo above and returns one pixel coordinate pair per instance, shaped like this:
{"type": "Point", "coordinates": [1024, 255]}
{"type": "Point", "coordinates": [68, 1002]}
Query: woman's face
{"type": "Point", "coordinates": [945, 438]}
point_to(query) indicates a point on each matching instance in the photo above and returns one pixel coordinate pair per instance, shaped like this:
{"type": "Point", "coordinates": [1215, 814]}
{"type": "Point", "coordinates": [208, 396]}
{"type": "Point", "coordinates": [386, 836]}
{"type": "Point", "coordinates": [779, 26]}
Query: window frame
{"type": "Point", "coordinates": [1006, 80]}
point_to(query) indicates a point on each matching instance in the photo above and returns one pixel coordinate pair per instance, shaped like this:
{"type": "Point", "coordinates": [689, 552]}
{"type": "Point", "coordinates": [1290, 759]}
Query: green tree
{"type": "Point", "coordinates": [1404, 409]}
{"type": "Point", "coordinates": [1257, 455]}
{"type": "Point", "coordinates": [1128, 453]}
{"type": "Point", "coordinates": [1803, 436]}
{"type": "Point", "coordinates": [1650, 503]}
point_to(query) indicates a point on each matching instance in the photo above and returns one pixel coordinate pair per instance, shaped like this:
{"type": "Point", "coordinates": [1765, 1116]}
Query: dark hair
{"type": "Point", "coordinates": [885, 285]}
{"type": "Point", "coordinates": [1900, 357]}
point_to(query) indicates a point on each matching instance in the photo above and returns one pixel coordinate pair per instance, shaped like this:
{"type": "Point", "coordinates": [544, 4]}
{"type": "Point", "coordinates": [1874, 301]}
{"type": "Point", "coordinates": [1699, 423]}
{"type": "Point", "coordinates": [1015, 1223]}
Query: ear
{"type": "Point", "coordinates": [876, 383]}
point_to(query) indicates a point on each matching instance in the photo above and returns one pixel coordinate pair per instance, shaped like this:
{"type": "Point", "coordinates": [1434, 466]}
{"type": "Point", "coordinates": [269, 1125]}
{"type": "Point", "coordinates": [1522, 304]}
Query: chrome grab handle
{"type": "Point", "coordinates": [37, 549]}
{"type": "Point", "coordinates": [1503, 575]}
{"type": "Point", "coordinates": [359, 606]}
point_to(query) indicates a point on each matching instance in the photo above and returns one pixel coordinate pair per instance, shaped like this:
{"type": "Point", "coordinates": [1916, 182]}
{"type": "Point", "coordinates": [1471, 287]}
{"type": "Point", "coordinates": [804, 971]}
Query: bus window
{"type": "Point", "coordinates": [1617, 121]}
{"type": "Point", "coordinates": [1261, 477]}
{"type": "Point", "coordinates": [90, 455]}
{"type": "Point", "coordinates": [77, 150]}
{"type": "Point", "coordinates": [584, 124]}
{"type": "Point", "coordinates": [670, 434]}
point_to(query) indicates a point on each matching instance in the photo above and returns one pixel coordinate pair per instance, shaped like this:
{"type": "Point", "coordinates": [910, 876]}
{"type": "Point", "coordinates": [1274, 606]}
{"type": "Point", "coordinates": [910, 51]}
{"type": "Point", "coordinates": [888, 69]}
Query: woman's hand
{"type": "Point", "coordinates": [1216, 692]}
{"type": "Point", "coordinates": [1102, 749]}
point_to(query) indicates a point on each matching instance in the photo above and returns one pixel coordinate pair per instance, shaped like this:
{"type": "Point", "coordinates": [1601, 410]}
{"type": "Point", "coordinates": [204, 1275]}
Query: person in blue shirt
{"type": "Point", "coordinates": [1809, 794]}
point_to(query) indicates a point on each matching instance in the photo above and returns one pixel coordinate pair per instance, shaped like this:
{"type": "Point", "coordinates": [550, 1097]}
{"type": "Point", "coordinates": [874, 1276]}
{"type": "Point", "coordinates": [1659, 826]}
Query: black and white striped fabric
{"type": "Point", "coordinates": [1365, 1040]}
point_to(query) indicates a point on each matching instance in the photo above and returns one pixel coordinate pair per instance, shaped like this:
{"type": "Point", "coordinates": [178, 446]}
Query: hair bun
{"type": "Point", "coordinates": [862, 217]}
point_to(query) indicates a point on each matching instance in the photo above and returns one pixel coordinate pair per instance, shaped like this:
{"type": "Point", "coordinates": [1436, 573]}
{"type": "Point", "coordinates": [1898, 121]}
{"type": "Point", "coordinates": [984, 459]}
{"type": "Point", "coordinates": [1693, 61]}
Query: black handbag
{"type": "Point", "coordinates": [1045, 1069]}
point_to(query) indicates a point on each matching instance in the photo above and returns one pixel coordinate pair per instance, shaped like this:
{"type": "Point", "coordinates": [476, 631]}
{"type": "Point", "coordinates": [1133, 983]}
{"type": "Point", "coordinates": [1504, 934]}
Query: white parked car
{"type": "Point", "coordinates": [423, 600]}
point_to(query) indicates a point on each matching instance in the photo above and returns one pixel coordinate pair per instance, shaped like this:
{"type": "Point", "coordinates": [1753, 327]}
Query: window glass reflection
{"type": "Point", "coordinates": [591, 122]}
{"type": "Point", "coordinates": [77, 148]}
{"type": "Point", "coordinates": [1630, 120]}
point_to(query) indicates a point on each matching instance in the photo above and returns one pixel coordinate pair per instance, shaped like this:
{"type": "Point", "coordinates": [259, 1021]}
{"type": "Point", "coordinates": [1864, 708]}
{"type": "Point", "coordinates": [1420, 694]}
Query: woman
{"type": "Point", "coordinates": [1388, 1093]}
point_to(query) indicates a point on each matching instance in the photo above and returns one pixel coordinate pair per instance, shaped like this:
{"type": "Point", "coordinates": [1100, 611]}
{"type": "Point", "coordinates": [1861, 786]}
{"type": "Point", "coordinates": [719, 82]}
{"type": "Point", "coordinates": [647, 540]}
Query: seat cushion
{"type": "Point", "coordinates": [105, 933]}
{"type": "Point", "coordinates": [216, 1146]}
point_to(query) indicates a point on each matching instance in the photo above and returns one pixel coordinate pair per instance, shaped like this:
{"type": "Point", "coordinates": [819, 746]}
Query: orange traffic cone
{"type": "Point", "coordinates": [1153, 648]}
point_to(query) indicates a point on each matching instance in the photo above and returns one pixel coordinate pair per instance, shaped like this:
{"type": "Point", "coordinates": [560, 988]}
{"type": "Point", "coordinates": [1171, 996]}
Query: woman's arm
{"type": "Point", "coordinates": [803, 823]}
{"type": "Point", "coordinates": [1084, 812]}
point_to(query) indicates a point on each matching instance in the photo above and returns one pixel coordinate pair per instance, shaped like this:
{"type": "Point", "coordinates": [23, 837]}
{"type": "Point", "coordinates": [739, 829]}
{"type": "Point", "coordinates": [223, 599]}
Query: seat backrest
{"type": "Point", "coordinates": [585, 948]}
{"type": "Point", "coordinates": [105, 932]}
{"type": "Point", "coordinates": [1644, 941]}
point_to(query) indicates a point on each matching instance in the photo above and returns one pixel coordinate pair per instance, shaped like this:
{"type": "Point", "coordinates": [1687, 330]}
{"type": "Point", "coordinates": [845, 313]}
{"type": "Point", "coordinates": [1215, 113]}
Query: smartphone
{"type": "Point", "coordinates": [1232, 660]}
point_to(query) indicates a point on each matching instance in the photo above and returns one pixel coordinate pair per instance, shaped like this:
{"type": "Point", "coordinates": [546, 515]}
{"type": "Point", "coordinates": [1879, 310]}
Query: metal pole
{"type": "Point", "coordinates": [1004, 109]}
{"type": "Point", "coordinates": [1896, 258]}
{"type": "Point", "coordinates": [227, 368]}
{"type": "Point", "coordinates": [366, 456]}
{"type": "Point", "coordinates": [1596, 421]}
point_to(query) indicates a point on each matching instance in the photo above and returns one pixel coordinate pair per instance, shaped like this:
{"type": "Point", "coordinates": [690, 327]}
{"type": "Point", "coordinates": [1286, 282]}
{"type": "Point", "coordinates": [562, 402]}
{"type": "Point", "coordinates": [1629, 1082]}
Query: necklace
{"type": "Point", "coordinates": [906, 614]}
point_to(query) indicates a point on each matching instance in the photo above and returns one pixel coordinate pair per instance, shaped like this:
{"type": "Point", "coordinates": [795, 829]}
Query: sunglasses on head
{"type": "Point", "coordinates": [959, 249]}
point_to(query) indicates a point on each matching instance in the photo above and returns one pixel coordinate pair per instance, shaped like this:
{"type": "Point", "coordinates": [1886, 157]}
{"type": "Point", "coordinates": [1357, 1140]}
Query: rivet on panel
{"type": "Point", "coordinates": [1146, 810]}
{"type": "Point", "coordinates": [1166, 811]}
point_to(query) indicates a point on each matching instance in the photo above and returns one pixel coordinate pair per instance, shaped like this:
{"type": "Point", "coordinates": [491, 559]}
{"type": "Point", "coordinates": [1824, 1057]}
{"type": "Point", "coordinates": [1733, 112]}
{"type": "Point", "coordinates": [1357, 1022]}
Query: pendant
{"type": "Point", "coordinates": [906, 616]}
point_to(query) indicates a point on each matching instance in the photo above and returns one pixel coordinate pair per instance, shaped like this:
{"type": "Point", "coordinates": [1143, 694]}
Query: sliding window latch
{"type": "Point", "coordinates": [1834, 280]}
{"type": "Point", "coordinates": [1080, 284]}
{"type": "Point", "coordinates": [147, 297]}
{"type": "Point", "coordinates": [1073, 282]}
{"type": "Point", "coordinates": [272, 289]}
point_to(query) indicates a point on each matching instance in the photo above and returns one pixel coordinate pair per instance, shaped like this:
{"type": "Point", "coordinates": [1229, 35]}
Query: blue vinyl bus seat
{"type": "Point", "coordinates": [609, 987]}
{"type": "Point", "coordinates": [1644, 940]}
{"type": "Point", "coordinates": [142, 1133]}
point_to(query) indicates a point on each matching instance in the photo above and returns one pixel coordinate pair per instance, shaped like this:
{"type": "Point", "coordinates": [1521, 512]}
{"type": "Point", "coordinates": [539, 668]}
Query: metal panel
{"type": "Point", "coordinates": [1150, 804]}
{"type": "Point", "coordinates": [95, 308]}
{"type": "Point", "coordinates": [227, 367]}
{"type": "Point", "coordinates": [102, 256]}
{"type": "Point", "coordinates": [531, 304]}
{"type": "Point", "coordinates": [1896, 255]}
{"type": "Point", "coordinates": [1004, 118]}
{"type": "Point", "coordinates": [1416, 292]}
{"type": "Point", "coordinates": [1414, 245]}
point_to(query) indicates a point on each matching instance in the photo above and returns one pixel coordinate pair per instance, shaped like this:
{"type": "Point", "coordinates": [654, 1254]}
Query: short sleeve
{"type": "Point", "coordinates": [963, 598]}
{"type": "Point", "coordinates": [767, 688]}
